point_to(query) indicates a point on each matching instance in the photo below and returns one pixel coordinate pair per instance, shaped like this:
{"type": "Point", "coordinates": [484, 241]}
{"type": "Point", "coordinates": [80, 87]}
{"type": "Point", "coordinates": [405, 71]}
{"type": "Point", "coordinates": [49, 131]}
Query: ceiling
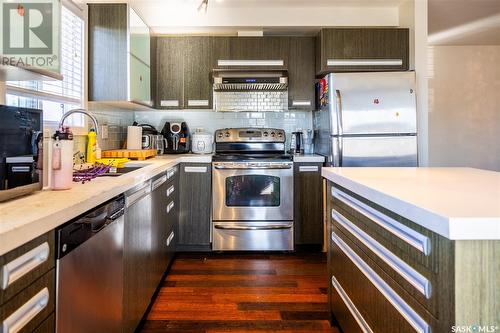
{"type": "Point", "coordinates": [464, 22]}
{"type": "Point", "coordinates": [277, 17]}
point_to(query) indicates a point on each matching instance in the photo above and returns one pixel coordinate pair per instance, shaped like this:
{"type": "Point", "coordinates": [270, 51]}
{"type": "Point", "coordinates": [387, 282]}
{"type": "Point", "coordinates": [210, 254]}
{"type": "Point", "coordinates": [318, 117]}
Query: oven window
{"type": "Point", "coordinates": [253, 191]}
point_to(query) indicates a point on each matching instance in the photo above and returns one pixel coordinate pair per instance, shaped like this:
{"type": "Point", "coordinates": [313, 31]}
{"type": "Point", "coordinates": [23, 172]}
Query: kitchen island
{"type": "Point", "coordinates": [422, 243]}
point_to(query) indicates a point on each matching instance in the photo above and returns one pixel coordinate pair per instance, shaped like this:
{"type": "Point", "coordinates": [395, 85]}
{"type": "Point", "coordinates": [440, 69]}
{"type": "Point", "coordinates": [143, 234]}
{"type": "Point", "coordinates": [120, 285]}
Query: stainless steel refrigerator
{"type": "Point", "coordinates": [367, 119]}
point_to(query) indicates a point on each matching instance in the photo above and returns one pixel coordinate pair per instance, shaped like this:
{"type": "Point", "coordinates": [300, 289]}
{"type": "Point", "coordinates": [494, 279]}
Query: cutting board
{"type": "Point", "coordinates": [135, 154]}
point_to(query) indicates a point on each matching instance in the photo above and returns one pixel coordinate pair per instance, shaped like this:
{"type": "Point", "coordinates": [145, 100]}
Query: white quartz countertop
{"type": "Point", "coordinates": [309, 158]}
{"type": "Point", "coordinates": [26, 218]}
{"type": "Point", "coordinates": [457, 203]}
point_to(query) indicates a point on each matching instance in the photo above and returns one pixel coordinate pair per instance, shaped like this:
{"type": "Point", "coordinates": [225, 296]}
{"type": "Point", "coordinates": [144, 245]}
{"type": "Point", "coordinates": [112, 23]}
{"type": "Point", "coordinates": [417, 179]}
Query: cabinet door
{"type": "Point", "coordinates": [138, 278]}
{"type": "Point", "coordinates": [220, 50]}
{"type": "Point", "coordinates": [139, 38]}
{"type": "Point", "coordinates": [301, 73]}
{"type": "Point", "coordinates": [140, 81]}
{"type": "Point", "coordinates": [363, 49]}
{"type": "Point", "coordinates": [256, 48]}
{"type": "Point", "coordinates": [197, 73]}
{"type": "Point", "coordinates": [308, 214]}
{"type": "Point", "coordinates": [195, 203]}
{"type": "Point", "coordinates": [170, 73]}
{"type": "Point", "coordinates": [107, 40]}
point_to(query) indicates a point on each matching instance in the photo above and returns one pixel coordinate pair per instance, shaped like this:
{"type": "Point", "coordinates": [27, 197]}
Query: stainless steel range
{"type": "Point", "coordinates": [252, 183]}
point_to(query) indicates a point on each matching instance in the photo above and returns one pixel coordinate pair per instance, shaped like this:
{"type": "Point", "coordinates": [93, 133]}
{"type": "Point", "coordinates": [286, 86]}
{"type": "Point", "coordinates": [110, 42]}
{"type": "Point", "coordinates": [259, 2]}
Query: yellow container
{"type": "Point", "coordinates": [114, 162]}
{"type": "Point", "coordinates": [91, 146]}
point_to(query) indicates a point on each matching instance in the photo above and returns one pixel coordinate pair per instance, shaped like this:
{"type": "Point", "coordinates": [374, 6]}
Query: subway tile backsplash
{"type": "Point", "coordinates": [211, 121]}
{"type": "Point", "coordinates": [238, 101]}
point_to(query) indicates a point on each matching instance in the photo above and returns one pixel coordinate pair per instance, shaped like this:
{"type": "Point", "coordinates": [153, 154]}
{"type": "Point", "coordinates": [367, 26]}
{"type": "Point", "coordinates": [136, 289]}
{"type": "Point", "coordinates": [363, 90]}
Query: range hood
{"type": "Point", "coordinates": [246, 80]}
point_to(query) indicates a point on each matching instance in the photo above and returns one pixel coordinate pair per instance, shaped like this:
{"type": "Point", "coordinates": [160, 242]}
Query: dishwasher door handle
{"type": "Point", "coordinates": [267, 227]}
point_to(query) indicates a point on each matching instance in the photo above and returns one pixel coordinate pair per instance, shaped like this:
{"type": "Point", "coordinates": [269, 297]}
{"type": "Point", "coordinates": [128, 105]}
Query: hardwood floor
{"type": "Point", "coordinates": [243, 293]}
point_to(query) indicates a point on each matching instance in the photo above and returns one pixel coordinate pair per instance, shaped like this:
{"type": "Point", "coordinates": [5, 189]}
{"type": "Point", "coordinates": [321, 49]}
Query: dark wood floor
{"type": "Point", "coordinates": [243, 293]}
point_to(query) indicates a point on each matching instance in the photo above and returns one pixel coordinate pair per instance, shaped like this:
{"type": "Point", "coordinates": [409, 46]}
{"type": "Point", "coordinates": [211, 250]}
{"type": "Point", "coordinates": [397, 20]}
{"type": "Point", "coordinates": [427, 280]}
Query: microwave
{"type": "Point", "coordinates": [21, 151]}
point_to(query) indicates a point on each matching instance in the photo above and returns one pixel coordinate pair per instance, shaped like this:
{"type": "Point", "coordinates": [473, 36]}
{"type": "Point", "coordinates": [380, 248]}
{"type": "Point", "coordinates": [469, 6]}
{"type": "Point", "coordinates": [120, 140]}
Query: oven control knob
{"type": "Point", "coordinates": [220, 135]}
{"type": "Point", "coordinates": [227, 134]}
{"type": "Point", "coordinates": [266, 134]}
{"type": "Point", "coordinates": [280, 134]}
{"type": "Point", "coordinates": [273, 134]}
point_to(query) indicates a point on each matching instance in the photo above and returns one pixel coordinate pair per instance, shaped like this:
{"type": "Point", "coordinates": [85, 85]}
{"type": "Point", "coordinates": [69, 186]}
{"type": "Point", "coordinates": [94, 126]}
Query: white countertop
{"type": "Point", "coordinates": [313, 158]}
{"type": "Point", "coordinates": [457, 203]}
{"type": "Point", "coordinates": [26, 218]}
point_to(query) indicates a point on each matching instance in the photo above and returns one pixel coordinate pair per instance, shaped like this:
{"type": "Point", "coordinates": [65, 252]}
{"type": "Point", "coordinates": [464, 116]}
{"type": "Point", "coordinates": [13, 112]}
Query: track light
{"type": "Point", "coordinates": [203, 6]}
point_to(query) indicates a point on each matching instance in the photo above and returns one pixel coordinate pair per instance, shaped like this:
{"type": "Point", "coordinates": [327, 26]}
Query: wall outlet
{"type": "Point", "coordinates": [104, 132]}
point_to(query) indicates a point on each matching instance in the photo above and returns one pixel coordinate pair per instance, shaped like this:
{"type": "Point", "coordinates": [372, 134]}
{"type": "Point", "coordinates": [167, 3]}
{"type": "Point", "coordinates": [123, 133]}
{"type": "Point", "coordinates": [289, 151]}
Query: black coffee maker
{"type": "Point", "coordinates": [177, 135]}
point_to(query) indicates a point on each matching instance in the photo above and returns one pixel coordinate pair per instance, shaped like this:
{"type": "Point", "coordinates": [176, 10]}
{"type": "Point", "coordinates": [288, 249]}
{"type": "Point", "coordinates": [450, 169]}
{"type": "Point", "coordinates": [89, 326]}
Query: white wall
{"type": "Point", "coordinates": [2, 92]}
{"type": "Point", "coordinates": [421, 68]}
{"type": "Point", "coordinates": [464, 106]}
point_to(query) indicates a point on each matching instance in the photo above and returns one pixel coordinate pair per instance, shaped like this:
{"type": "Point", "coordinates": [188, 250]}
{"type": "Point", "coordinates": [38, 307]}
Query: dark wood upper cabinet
{"type": "Point", "coordinates": [107, 38]}
{"type": "Point", "coordinates": [197, 72]}
{"type": "Point", "coordinates": [362, 49]}
{"type": "Point", "coordinates": [169, 66]}
{"type": "Point", "coordinates": [252, 48]}
{"type": "Point", "coordinates": [301, 73]}
{"type": "Point", "coordinates": [119, 57]}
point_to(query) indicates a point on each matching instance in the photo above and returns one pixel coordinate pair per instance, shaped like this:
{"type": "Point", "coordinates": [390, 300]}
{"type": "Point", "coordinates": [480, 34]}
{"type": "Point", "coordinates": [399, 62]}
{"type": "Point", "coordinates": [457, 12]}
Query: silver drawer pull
{"type": "Point", "coordinates": [267, 227]}
{"type": "Point", "coordinates": [413, 277]}
{"type": "Point", "coordinates": [408, 235]}
{"type": "Point", "coordinates": [170, 190]}
{"type": "Point", "coordinates": [170, 238]}
{"type": "Point", "coordinates": [364, 62]}
{"type": "Point", "coordinates": [201, 169]}
{"type": "Point", "coordinates": [134, 197]}
{"type": "Point", "coordinates": [399, 304]}
{"type": "Point", "coordinates": [350, 305]}
{"type": "Point", "coordinates": [301, 102]}
{"type": "Point", "coordinates": [160, 181]}
{"type": "Point", "coordinates": [24, 264]}
{"type": "Point", "coordinates": [170, 206]}
{"type": "Point", "coordinates": [169, 102]}
{"type": "Point", "coordinates": [308, 168]}
{"type": "Point", "coordinates": [171, 173]}
{"type": "Point", "coordinates": [197, 102]}
{"type": "Point", "coordinates": [22, 316]}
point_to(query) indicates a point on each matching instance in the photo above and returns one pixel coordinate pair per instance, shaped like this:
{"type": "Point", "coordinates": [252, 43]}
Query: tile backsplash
{"type": "Point", "coordinates": [211, 121]}
{"type": "Point", "coordinates": [237, 101]}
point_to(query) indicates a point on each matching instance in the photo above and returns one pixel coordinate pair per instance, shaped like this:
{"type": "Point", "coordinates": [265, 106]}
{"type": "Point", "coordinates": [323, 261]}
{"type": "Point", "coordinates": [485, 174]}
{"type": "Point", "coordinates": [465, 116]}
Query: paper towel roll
{"type": "Point", "coordinates": [134, 137]}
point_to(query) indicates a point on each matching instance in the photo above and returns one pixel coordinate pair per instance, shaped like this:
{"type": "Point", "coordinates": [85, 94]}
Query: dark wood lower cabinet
{"type": "Point", "coordinates": [138, 276]}
{"type": "Point", "coordinates": [380, 282]}
{"type": "Point", "coordinates": [195, 202]}
{"type": "Point", "coordinates": [308, 205]}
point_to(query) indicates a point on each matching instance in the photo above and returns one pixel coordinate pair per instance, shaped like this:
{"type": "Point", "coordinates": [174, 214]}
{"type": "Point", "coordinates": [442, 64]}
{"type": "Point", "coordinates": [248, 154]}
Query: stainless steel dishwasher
{"type": "Point", "coordinates": [90, 271]}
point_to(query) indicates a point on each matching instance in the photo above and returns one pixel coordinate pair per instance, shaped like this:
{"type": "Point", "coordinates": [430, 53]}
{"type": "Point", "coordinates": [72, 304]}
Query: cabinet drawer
{"type": "Point", "coordinates": [21, 266]}
{"type": "Point", "coordinates": [421, 287]}
{"type": "Point", "coordinates": [47, 326]}
{"type": "Point", "coordinates": [30, 307]}
{"type": "Point", "coordinates": [378, 305]}
{"type": "Point", "coordinates": [412, 243]}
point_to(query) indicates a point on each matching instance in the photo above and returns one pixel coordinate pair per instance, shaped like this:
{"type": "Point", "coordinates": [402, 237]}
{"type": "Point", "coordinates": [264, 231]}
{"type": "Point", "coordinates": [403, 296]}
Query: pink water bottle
{"type": "Point", "coordinates": [62, 159]}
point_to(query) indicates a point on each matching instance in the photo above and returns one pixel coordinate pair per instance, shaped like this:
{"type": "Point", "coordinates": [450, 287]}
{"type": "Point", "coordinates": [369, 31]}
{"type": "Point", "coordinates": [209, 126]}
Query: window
{"type": "Point", "coordinates": [57, 97]}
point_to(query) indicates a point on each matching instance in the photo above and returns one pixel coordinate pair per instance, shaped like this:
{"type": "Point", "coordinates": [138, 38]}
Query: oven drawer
{"type": "Point", "coordinates": [250, 236]}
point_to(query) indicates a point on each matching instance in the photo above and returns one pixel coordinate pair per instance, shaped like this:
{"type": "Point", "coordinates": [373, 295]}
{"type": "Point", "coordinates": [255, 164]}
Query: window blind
{"type": "Point", "coordinates": [57, 97]}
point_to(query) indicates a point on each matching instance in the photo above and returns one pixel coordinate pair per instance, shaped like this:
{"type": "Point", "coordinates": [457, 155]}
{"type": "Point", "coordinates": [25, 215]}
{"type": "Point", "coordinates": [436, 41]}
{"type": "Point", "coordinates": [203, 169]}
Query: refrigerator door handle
{"type": "Point", "coordinates": [339, 112]}
{"type": "Point", "coordinates": [339, 126]}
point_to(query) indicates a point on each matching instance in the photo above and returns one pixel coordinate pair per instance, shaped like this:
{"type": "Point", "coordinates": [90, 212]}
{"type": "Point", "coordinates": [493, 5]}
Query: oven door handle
{"type": "Point", "coordinates": [274, 167]}
{"type": "Point", "coordinates": [267, 227]}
